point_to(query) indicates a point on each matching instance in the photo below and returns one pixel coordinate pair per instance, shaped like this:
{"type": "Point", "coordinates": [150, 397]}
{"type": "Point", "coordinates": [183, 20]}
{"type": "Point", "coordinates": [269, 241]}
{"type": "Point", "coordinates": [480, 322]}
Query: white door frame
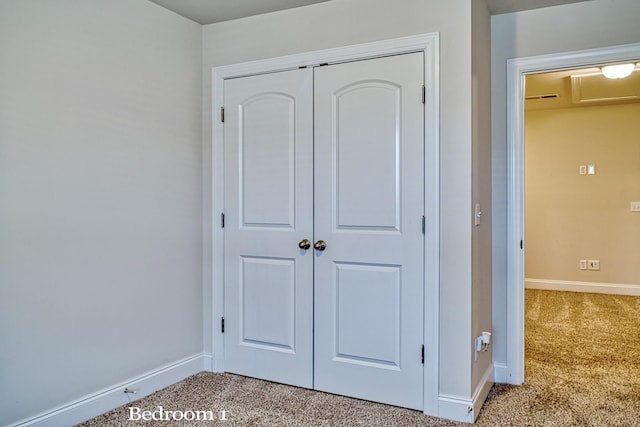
{"type": "Point", "coordinates": [516, 70]}
{"type": "Point", "coordinates": [427, 43]}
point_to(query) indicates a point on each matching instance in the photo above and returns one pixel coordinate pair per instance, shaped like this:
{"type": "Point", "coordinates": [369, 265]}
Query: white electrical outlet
{"type": "Point", "coordinates": [594, 264]}
{"type": "Point", "coordinates": [583, 264]}
{"type": "Point", "coordinates": [583, 169]}
{"type": "Point", "coordinates": [635, 206]}
{"type": "Point", "coordinates": [486, 340]}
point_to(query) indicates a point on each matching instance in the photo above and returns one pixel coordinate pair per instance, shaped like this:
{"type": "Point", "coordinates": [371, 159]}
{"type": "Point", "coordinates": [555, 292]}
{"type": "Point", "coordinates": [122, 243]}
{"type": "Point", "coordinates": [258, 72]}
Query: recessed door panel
{"type": "Point", "coordinates": [267, 169]}
{"type": "Point", "coordinates": [268, 211]}
{"type": "Point", "coordinates": [367, 333]}
{"type": "Point", "coordinates": [367, 178]}
{"type": "Point", "coordinates": [267, 301]}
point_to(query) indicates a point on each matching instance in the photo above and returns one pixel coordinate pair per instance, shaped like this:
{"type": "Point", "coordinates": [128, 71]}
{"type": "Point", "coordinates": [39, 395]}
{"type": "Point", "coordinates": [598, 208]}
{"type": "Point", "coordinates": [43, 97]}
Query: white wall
{"type": "Point", "coordinates": [100, 193]}
{"type": "Point", "coordinates": [346, 22]}
{"type": "Point", "coordinates": [567, 28]}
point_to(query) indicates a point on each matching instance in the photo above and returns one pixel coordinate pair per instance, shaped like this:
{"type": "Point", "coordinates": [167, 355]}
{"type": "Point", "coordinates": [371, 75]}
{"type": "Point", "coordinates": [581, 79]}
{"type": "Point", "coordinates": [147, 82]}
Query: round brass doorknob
{"type": "Point", "coordinates": [304, 244]}
{"type": "Point", "coordinates": [320, 245]}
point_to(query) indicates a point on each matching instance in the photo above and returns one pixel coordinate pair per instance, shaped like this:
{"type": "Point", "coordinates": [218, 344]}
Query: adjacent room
{"type": "Point", "coordinates": [582, 175]}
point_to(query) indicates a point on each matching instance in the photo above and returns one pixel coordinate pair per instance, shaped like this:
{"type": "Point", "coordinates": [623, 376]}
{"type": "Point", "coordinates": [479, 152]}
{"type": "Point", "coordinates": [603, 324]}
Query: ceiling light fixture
{"type": "Point", "coordinates": [618, 71]}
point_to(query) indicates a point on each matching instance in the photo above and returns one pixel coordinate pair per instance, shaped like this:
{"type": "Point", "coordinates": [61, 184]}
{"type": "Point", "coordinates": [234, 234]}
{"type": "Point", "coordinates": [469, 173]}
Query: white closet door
{"type": "Point", "coordinates": [268, 208]}
{"type": "Point", "coordinates": [368, 210]}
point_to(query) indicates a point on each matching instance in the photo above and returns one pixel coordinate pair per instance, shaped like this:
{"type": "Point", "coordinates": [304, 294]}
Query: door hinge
{"type": "Point", "coordinates": [222, 325]}
{"type": "Point", "coordinates": [424, 94]}
{"type": "Point", "coordinates": [424, 224]}
{"type": "Point", "coordinates": [222, 220]}
{"type": "Point", "coordinates": [520, 244]}
{"type": "Point", "coordinates": [222, 114]}
{"type": "Point", "coordinates": [422, 354]}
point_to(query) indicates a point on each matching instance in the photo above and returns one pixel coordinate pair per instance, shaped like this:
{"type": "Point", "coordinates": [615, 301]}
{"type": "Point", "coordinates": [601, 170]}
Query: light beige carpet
{"type": "Point", "coordinates": [582, 369]}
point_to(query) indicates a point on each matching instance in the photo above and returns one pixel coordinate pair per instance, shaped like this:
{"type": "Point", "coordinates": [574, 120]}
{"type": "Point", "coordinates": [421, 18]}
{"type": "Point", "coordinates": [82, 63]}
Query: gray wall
{"type": "Point", "coordinates": [557, 140]}
{"type": "Point", "coordinates": [567, 28]}
{"type": "Point", "coordinates": [100, 197]}
{"type": "Point", "coordinates": [481, 186]}
{"type": "Point", "coordinates": [346, 22]}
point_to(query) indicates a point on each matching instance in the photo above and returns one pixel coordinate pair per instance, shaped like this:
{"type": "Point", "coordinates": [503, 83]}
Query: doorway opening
{"type": "Point", "coordinates": [517, 71]}
{"type": "Point", "coordinates": [582, 279]}
{"type": "Point", "coordinates": [581, 177]}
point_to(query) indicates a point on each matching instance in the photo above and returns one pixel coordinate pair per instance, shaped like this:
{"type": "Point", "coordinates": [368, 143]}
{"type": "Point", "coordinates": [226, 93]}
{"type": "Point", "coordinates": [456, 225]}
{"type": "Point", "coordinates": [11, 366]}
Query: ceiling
{"type": "Point", "coordinates": [497, 7]}
{"type": "Point", "coordinates": [211, 11]}
{"type": "Point", "coordinates": [576, 88]}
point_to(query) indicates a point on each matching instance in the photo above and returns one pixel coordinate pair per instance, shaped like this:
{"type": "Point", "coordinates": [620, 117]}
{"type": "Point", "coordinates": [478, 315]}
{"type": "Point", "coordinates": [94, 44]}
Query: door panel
{"type": "Point", "coordinates": [378, 317]}
{"type": "Point", "coordinates": [368, 291]}
{"type": "Point", "coordinates": [267, 202]}
{"type": "Point", "coordinates": [367, 197]}
{"type": "Point", "coordinates": [267, 303]}
{"type": "Point", "coordinates": [268, 210]}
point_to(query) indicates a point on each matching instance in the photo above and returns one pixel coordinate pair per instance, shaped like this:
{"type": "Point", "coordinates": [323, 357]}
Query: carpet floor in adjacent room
{"type": "Point", "coordinates": [582, 368]}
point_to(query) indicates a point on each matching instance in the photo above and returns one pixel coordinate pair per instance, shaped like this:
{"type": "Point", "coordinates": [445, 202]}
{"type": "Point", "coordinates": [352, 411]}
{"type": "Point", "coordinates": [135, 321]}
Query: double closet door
{"type": "Point", "coordinates": [324, 243]}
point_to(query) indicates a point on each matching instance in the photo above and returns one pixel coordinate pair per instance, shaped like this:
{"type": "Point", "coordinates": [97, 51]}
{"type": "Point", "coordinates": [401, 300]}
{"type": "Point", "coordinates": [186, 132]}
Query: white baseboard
{"type": "Point", "coordinates": [466, 410]}
{"type": "Point", "coordinates": [105, 400]}
{"type": "Point", "coordinates": [482, 390]}
{"type": "Point", "coordinates": [455, 409]}
{"type": "Point", "coordinates": [217, 365]}
{"type": "Point", "coordinates": [500, 373]}
{"type": "Point", "coordinates": [592, 287]}
{"type": "Point", "coordinates": [207, 359]}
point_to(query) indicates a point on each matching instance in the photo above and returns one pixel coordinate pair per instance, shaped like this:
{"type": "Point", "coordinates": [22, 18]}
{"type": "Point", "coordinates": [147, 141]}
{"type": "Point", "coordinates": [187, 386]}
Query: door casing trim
{"type": "Point", "coordinates": [429, 45]}
{"type": "Point", "coordinates": [517, 68]}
